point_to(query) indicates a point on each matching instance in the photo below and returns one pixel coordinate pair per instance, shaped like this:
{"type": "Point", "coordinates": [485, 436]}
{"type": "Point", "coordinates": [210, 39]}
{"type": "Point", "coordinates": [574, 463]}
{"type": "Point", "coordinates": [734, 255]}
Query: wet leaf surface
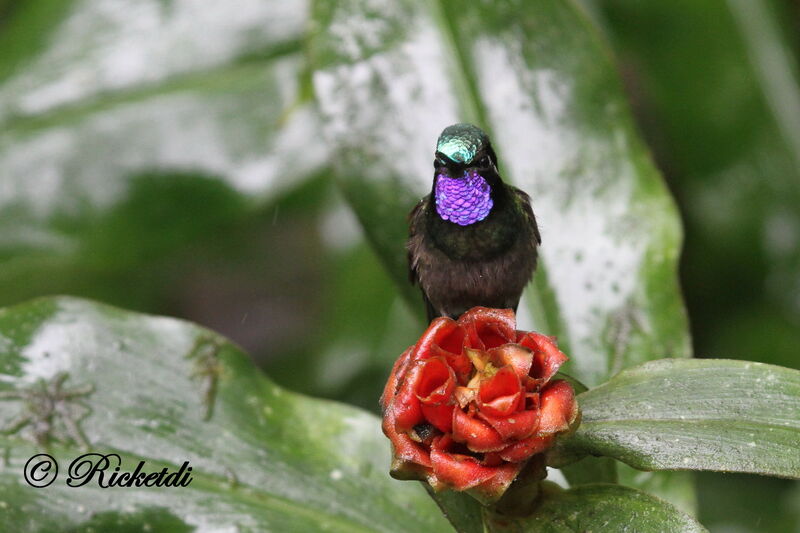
{"type": "Point", "coordinates": [131, 132]}
{"type": "Point", "coordinates": [708, 414]}
{"type": "Point", "coordinates": [600, 507]}
{"type": "Point", "coordinates": [263, 459]}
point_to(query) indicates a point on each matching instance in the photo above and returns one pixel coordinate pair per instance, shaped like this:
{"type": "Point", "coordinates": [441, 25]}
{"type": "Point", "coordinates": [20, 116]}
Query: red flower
{"type": "Point", "coordinates": [472, 401]}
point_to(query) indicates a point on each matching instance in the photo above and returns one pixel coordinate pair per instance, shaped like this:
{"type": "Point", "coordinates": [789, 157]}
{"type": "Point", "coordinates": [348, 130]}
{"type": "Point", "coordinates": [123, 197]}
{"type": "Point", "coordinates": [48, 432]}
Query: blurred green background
{"type": "Point", "coordinates": [166, 156]}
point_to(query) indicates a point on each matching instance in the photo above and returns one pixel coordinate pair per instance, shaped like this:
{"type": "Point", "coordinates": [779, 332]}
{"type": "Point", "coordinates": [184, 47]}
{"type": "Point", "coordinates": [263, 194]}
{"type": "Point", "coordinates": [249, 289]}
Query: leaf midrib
{"type": "Point", "coordinates": [199, 79]}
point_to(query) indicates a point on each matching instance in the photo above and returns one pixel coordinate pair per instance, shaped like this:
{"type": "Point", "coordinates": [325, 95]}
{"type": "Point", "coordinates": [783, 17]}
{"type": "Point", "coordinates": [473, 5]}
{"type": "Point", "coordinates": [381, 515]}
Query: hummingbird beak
{"type": "Point", "coordinates": [451, 173]}
{"type": "Point", "coordinates": [445, 166]}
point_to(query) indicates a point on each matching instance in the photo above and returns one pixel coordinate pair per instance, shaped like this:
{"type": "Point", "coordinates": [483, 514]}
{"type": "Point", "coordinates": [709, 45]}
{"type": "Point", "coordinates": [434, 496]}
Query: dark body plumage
{"type": "Point", "coordinates": [485, 263]}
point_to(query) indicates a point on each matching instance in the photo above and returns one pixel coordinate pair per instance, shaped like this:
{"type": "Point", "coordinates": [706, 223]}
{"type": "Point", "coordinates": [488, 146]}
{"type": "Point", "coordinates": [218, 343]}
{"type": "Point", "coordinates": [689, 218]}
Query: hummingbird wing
{"type": "Point", "coordinates": [529, 219]}
{"type": "Point", "coordinates": [416, 219]}
{"type": "Point", "coordinates": [415, 225]}
{"type": "Point", "coordinates": [525, 203]}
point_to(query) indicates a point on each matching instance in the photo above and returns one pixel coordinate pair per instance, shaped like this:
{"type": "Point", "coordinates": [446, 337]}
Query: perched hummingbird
{"type": "Point", "coordinates": [472, 240]}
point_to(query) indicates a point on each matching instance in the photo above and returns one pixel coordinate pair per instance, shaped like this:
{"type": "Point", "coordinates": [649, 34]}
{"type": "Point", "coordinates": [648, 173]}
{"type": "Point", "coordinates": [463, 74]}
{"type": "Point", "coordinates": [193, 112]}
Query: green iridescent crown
{"type": "Point", "coordinates": [461, 142]}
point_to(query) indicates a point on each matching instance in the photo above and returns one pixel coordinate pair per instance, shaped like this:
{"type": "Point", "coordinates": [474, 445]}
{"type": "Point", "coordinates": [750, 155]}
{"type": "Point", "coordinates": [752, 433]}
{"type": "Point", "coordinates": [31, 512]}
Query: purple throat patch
{"type": "Point", "coordinates": [464, 200]}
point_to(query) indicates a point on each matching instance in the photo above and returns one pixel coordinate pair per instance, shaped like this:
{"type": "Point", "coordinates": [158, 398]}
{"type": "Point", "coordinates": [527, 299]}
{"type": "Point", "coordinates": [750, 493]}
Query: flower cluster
{"type": "Point", "coordinates": [473, 401]}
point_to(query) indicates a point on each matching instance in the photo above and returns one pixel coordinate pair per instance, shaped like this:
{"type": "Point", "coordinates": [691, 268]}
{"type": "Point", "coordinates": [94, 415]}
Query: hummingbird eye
{"type": "Point", "coordinates": [485, 162]}
{"type": "Point", "coordinates": [438, 163]}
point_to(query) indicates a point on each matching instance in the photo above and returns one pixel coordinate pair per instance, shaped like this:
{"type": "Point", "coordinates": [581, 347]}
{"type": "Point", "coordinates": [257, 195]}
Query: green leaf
{"type": "Point", "coordinates": [164, 391]}
{"type": "Point", "coordinates": [591, 470]}
{"type": "Point", "coordinates": [677, 487]}
{"type": "Point", "coordinates": [588, 469]}
{"type": "Point", "coordinates": [735, 174]}
{"type": "Point", "coordinates": [710, 414]}
{"type": "Point", "coordinates": [129, 136]}
{"type": "Point", "coordinates": [599, 507]}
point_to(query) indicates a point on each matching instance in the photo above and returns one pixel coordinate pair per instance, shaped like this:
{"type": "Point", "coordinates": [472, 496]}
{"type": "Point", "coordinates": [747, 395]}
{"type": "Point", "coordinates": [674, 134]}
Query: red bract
{"type": "Point", "coordinates": [473, 401]}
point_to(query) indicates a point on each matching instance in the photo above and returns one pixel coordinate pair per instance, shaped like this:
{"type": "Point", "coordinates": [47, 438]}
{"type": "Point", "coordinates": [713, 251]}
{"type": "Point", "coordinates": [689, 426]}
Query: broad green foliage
{"type": "Point", "coordinates": [164, 156]}
{"type": "Point", "coordinates": [131, 132]}
{"type": "Point", "coordinates": [718, 87]}
{"type": "Point", "coordinates": [600, 507]}
{"type": "Point", "coordinates": [137, 137]}
{"type": "Point", "coordinates": [711, 414]}
{"type": "Point", "coordinates": [265, 460]}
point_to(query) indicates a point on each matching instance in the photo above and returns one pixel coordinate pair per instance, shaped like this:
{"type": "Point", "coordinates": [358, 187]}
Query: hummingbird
{"type": "Point", "coordinates": [473, 240]}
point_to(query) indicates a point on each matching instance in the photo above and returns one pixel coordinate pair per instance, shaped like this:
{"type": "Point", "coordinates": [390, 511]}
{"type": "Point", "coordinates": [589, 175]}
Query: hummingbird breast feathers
{"type": "Point", "coordinates": [487, 264]}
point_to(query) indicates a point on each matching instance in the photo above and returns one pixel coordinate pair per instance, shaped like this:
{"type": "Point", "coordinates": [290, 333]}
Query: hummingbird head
{"type": "Point", "coordinates": [465, 170]}
{"type": "Point", "coordinates": [464, 145]}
